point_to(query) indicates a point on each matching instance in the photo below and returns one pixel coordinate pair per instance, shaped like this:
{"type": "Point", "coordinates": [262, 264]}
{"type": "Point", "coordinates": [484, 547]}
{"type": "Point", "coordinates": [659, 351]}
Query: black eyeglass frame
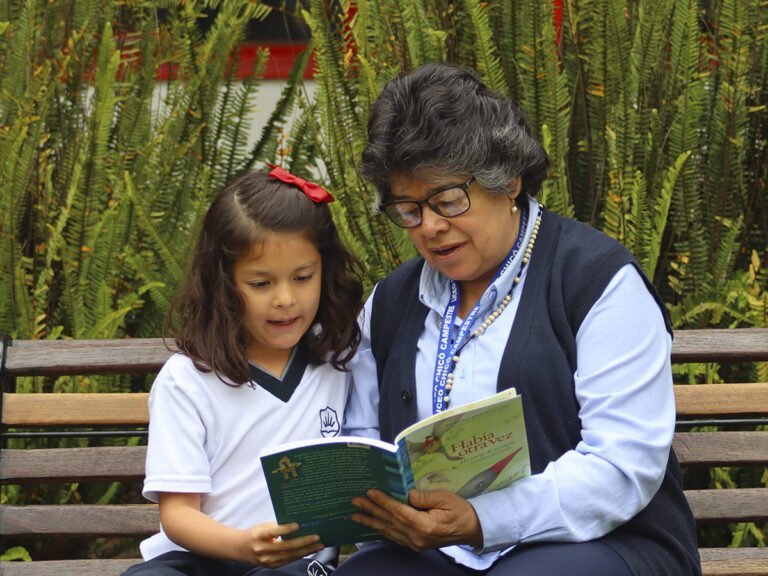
{"type": "Point", "coordinates": [420, 203]}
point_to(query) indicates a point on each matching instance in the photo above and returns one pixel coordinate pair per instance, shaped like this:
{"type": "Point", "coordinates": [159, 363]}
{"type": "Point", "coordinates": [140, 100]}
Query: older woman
{"type": "Point", "coordinates": [512, 296]}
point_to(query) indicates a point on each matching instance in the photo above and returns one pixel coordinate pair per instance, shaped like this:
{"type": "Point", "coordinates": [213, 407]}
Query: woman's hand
{"type": "Point", "coordinates": [434, 519]}
{"type": "Point", "coordinates": [268, 550]}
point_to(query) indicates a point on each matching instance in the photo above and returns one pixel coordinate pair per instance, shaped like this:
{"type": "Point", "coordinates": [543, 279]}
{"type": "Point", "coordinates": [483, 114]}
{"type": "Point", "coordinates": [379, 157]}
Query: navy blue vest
{"type": "Point", "coordinates": [572, 265]}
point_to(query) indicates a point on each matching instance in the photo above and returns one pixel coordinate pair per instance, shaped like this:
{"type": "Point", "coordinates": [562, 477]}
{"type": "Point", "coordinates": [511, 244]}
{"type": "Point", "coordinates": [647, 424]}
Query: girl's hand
{"type": "Point", "coordinates": [188, 527]}
{"type": "Point", "coordinates": [266, 549]}
{"type": "Point", "coordinates": [434, 519]}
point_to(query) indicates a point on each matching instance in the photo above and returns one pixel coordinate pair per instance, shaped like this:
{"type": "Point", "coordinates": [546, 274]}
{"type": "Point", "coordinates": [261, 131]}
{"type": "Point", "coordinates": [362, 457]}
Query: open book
{"type": "Point", "coordinates": [470, 449]}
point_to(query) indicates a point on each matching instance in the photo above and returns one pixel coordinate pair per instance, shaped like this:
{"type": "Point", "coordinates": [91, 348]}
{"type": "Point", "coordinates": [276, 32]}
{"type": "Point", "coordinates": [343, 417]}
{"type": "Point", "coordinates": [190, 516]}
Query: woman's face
{"type": "Point", "coordinates": [467, 248]}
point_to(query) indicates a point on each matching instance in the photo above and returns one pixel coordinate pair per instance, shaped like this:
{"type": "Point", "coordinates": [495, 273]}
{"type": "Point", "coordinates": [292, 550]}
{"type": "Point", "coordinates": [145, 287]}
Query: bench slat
{"type": "Point", "coordinates": [715, 562]}
{"type": "Point", "coordinates": [131, 409]}
{"type": "Point", "coordinates": [72, 464]}
{"type": "Point", "coordinates": [720, 345]}
{"type": "Point", "coordinates": [82, 520]}
{"type": "Point", "coordinates": [721, 448]}
{"type": "Point", "coordinates": [713, 400]}
{"type": "Point", "coordinates": [127, 462]}
{"type": "Point", "coordinates": [734, 561]}
{"type": "Point", "coordinates": [729, 505]}
{"type": "Point", "coordinates": [106, 567]}
{"type": "Point", "coordinates": [708, 400]}
{"type": "Point", "coordinates": [75, 409]}
{"type": "Point", "coordinates": [146, 355]}
{"type": "Point", "coordinates": [60, 357]}
{"type": "Point", "coordinates": [720, 505]}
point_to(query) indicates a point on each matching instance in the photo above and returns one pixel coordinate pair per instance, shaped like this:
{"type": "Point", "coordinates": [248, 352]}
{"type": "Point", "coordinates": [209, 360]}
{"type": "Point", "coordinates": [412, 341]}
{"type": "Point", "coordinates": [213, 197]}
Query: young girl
{"type": "Point", "coordinates": [264, 327]}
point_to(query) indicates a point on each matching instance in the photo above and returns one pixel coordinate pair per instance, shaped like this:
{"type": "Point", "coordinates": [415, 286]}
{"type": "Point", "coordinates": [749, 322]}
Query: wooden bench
{"type": "Point", "coordinates": [739, 405]}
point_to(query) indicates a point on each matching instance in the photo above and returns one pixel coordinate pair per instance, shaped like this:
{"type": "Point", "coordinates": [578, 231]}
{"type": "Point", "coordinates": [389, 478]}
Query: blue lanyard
{"type": "Point", "coordinates": [447, 350]}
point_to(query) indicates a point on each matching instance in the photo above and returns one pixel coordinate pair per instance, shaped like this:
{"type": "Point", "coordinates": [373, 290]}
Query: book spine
{"type": "Point", "coordinates": [405, 473]}
{"type": "Point", "coordinates": [394, 476]}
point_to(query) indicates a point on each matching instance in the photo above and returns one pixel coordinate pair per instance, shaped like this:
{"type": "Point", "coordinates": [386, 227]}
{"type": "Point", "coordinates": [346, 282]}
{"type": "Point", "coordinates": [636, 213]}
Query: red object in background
{"type": "Point", "coordinates": [558, 14]}
{"type": "Point", "coordinates": [281, 58]}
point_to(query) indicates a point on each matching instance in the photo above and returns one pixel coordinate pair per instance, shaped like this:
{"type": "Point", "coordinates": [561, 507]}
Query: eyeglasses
{"type": "Point", "coordinates": [447, 201]}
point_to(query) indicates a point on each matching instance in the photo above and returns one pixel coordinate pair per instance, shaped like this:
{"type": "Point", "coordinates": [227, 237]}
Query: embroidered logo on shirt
{"type": "Point", "coordinates": [316, 569]}
{"type": "Point", "coordinates": [329, 422]}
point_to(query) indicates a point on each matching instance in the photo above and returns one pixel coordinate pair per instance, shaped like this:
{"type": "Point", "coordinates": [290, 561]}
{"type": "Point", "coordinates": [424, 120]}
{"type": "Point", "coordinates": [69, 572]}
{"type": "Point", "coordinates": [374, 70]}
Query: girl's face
{"type": "Point", "coordinates": [467, 248]}
{"type": "Point", "coordinates": [279, 279]}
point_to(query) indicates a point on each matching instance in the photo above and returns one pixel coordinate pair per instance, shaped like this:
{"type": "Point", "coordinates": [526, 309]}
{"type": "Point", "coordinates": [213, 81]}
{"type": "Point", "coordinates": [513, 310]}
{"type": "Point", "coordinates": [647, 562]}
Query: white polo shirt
{"type": "Point", "coordinates": [205, 436]}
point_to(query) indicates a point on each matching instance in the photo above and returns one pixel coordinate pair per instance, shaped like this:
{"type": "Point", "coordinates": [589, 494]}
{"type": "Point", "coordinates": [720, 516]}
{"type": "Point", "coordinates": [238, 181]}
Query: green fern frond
{"type": "Point", "coordinates": [660, 215]}
{"type": "Point", "coordinates": [488, 63]}
{"type": "Point", "coordinates": [726, 177]}
{"type": "Point", "coordinates": [712, 312]}
{"type": "Point", "coordinates": [84, 10]}
{"type": "Point", "coordinates": [236, 103]}
{"type": "Point", "coordinates": [548, 101]}
{"type": "Point", "coordinates": [726, 252]}
{"type": "Point", "coordinates": [648, 45]}
{"type": "Point", "coordinates": [109, 325]}
{"type": "Point", "coordinates": [93, 192]}
{"type": "Point", "coordinates": [170, 261]}
{"type": "Point", "coordinates": [10, 197]}
{"type": "Point", "coordinates": [338, 122]}
{"type": "Point", "coordinates": [70, 248]}
{"type": "Point", "coordinates": [422, 42]}
{"type": "Point", "coordinates": [334, 91]}
{"type": "Point", "coordinates": [264, 149]}
{"type": "Point", "coordinates": [22, 36]}
{"type": "Point", "coordinates": [23, 318]}
{"type": "Point", "coordinates": [616, 202]}
{"type": "Point", "coordinates": [643, 219]}
{"type": "Point", "coordinates": [301, 141]}
{"type": "Point", "coordinates": [757, 315]}
{"type": "Point", "coordinates": [688, 95]}
{"type": "Point", "coordinates": [554, 193]}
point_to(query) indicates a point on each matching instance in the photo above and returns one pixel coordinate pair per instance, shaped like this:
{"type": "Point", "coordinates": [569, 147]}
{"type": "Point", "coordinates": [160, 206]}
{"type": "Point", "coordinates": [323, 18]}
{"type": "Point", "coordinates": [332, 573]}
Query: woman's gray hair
{"type": "Point", "coordinates": [442, 119]}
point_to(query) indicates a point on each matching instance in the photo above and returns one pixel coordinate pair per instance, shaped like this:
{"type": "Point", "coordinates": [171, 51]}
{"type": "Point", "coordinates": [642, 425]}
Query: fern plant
{"type": "Point", "coordinates": [647, 110]}
{"type": "Point", "coordinates": [106, 173]}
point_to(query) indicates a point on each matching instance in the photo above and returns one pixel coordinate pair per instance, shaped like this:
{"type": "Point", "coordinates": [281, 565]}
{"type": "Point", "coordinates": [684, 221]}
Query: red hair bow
{"type": "Point", "coordinates": [316, 193]}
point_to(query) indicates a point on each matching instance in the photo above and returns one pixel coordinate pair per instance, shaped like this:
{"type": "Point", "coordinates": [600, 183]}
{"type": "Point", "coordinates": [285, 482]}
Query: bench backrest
{"type": "Point", "coordinates": [745, 402]}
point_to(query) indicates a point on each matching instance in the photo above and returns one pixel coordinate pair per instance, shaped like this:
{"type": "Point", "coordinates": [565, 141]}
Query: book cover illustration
{"type": "Point", "coordinates": [470, 452]}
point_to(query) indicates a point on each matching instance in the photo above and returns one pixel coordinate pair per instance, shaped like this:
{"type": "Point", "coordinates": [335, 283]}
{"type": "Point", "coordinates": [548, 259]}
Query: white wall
{"type": "Point", "coordinates": [266, 98]}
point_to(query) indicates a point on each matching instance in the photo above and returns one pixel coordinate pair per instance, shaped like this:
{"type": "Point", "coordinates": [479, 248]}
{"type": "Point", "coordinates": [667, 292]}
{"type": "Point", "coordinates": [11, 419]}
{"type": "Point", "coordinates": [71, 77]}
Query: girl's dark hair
{"type": "Point", "coordinates": [441, 117]}
{"type": "Point", "coordinates": [206, 318]}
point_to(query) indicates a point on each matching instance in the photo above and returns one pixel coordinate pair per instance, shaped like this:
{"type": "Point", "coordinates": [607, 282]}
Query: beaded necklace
{"type": "Point", "coordinates": [448, 357]}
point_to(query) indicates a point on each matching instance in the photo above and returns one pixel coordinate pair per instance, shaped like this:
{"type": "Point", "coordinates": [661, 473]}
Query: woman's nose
{"type": "Point", "coordinates": [431, 222]}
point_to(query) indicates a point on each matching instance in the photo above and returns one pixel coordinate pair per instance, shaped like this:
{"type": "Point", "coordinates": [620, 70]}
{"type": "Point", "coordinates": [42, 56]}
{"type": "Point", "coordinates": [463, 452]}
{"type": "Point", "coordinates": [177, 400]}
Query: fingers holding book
{"type": "Point", "coordinates": [432, 519]}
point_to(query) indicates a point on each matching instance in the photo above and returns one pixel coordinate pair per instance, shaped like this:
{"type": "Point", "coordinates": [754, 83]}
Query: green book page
{"type": "Point", "coordinates": [471, 449]}
{"type": "Point", "coordinates": [314, 485]}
